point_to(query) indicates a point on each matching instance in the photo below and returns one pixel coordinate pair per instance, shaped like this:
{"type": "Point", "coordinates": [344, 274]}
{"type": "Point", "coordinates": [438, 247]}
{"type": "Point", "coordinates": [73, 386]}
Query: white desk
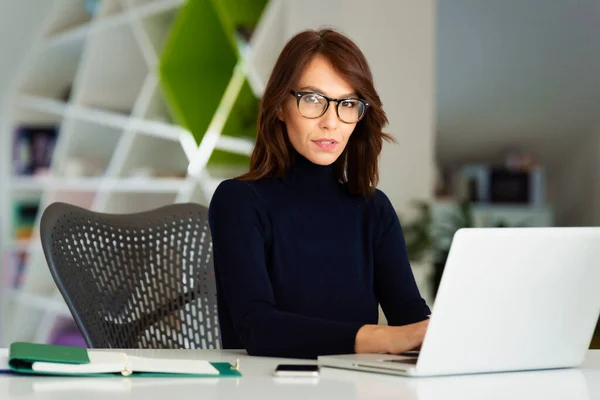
{"type": "Point", "coordinates": [257, 383]}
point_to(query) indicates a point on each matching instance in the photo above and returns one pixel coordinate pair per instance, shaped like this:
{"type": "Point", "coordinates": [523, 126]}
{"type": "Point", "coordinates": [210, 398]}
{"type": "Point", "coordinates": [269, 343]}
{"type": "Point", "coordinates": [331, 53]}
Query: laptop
{"type": "Point", "coordinates": [510, 299]}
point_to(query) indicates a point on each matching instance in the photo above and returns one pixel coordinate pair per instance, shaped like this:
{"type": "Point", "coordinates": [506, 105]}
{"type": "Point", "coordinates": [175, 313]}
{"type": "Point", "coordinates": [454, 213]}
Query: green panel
{"type": "Point", "coordinates": [196, 66]}
{"type": "Point", "coordinates": [241, 121]}
{"type": "Point", "coordinates": [239, 14]}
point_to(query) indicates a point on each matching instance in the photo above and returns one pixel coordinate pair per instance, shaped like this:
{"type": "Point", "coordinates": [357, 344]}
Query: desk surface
{"type": "Point", "coordinates": [258, 383]}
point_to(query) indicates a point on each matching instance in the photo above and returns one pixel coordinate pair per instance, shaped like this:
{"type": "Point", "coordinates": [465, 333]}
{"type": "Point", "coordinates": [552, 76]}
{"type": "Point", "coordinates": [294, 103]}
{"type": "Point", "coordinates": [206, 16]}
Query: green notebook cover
{"type": "Point", "coordinates": [22, 355]}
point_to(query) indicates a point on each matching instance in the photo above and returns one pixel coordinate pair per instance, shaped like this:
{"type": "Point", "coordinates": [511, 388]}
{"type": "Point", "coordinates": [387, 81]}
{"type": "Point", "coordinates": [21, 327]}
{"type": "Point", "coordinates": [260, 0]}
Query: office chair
{"type": "Point", "coordinates": [142, 280]}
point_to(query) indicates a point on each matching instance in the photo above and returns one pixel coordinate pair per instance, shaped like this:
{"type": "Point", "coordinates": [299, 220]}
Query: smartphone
{"type": "Point", "coordinates": [297, 370]}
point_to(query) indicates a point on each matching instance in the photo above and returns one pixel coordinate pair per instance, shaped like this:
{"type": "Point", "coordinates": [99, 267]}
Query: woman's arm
{"type": "Point", "coordinates": [237, 223]}
{"type": "Point", "coordinates": [395, 285]}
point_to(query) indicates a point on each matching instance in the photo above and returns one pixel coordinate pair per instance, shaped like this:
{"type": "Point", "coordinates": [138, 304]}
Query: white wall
{"type": "Point", "coordinates": [574, 182]}
{"type": "Point", "coordinates": [398, 39]}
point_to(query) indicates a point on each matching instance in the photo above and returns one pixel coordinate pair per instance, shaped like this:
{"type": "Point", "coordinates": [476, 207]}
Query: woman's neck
{"type": "Point", "coordinates": [307, 175]}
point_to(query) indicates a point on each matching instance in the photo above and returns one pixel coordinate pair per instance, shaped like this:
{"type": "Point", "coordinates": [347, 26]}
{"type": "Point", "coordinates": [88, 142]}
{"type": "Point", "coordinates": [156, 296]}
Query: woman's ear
{"type": "Point", "coordinates": [280, 114]}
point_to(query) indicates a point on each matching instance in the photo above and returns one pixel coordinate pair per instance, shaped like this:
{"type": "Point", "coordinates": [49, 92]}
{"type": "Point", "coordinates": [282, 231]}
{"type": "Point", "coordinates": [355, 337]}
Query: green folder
{"type": "Point", "coordinates": [46, 359]}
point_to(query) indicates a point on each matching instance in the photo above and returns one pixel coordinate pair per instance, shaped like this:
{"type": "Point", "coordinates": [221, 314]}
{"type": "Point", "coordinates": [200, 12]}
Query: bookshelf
{"type": "Point", "coordinates": [110, 81]}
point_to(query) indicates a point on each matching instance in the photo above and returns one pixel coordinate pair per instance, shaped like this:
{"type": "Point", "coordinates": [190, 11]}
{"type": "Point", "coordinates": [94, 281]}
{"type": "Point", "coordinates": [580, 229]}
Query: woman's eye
{"type": "Point", "coordinates": [311, 99]}
{"type": "Point", "coordinates": [348, 103]}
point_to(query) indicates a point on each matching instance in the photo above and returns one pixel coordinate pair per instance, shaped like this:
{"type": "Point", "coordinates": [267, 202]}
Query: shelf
{"type": "Point", "coordinates": [68, 15]}
{"type": "Point", "coordinates": [99, 117]}
{"type": "Point", "coordinates": [42, 104]}
{"type": "Point", "coordinates": [80, 27]}
{"type": "Point", "coordinates": [114, 71]}
{"type": "Point", "coordinates": [142, 185]}
{"type": "Point", "coordinates": [157, 27]}
{"type": "Point", "coordinates": [98, 78]}
{"type": "Point", "coordinates": [155, 157]}
{"type": "Point", "coordinates": [18, 115]}
{"type": "Point", "coordinates": [28, 184]}
{"type": "Point", "coordinates": [77, 195]}
{"type": "Point", "coordinates": [88, 150]}
{"type": "Point", "coordinates": [158, 129]}
{"type": "Point", "coordinates": [68, 37]}
{"type": "Point", "coordinates": [59, 108]}
{"type": "Point", "coordinates": [157, 109]}
{"type": "Point", "coordinates": [53, 71]}
{"type": "Point", "coordinates": [155, 120]}
{"type": "Point", "coordinates": [130, 203]}
{"type": "Point", "coordinates": [39, 302]}
{"type": "Point", "coordinates": [110, 8]}
{"type": "Point", "coordinates": [20, 245]}
{"type": "Point", "coordinates": [198, 194]}
{"type": "Point", "coordinates": [235, 145]}
{"type": "Point", "coordinates": [134, 185]}
{"type": "Point", "coordinates": [147, 8]}
{"type": "Point", "coordinates": [138, 3]}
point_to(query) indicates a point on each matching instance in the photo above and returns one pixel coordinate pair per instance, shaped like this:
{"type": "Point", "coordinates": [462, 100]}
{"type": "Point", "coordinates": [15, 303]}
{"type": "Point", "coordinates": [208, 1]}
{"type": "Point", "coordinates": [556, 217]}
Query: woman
{"type": "Point", "coordinates": [305, 247]}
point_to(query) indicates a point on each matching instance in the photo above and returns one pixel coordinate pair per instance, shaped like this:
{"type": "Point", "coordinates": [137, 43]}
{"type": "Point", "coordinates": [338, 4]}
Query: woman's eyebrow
{"type": "Point", "coordinates": [316, 89]}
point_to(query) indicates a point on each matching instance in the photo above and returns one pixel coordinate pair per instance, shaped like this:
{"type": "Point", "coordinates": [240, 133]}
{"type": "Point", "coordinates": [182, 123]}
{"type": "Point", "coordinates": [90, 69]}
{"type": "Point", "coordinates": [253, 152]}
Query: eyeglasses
{"type": "Point", "coordinates": [314, 105]}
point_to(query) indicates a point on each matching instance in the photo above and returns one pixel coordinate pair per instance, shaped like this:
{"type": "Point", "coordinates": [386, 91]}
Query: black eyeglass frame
{"type": "Point", "coordinates": [298, 96]}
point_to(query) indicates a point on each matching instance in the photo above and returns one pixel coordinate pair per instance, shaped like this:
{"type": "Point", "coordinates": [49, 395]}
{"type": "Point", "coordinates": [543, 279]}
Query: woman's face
{"type": "Point", "coordinates": [321, 140]}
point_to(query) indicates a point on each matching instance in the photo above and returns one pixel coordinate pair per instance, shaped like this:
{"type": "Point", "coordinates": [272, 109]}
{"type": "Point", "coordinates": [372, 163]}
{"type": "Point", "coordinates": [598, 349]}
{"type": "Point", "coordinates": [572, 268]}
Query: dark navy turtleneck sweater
{"type": "Point", "coordinates": [301, 264]}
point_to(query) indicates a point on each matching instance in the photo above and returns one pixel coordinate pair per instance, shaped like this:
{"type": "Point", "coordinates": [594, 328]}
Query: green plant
{"type": "Point", "coordinates": [430, 236]}
{"type": "Point", "coordinates": [417, 233]}
{"type": "Point", "coordinates": [426, 237]}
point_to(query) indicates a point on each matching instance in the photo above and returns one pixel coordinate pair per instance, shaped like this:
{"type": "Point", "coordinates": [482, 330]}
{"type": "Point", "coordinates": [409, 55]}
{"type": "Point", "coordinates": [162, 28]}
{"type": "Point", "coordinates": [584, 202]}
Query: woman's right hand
{"type": "Point", "coordinates": [390, 339]}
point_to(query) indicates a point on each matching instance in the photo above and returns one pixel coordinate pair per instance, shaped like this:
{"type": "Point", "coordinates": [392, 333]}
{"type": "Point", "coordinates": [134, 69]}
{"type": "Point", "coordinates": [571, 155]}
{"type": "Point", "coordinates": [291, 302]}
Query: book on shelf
{"type": "Point", "coordinates": [24, 215]}
{"type": "Point", "coordinates": [15, 252]}
{"type": "Point", "coordinates": [13, 271]}
{"type": "Point", "coordinates": [33, 146]}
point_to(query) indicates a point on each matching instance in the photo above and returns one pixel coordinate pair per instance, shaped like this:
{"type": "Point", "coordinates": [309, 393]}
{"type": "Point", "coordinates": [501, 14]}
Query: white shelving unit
{"type": "Point", "coordinates": [118, 150]}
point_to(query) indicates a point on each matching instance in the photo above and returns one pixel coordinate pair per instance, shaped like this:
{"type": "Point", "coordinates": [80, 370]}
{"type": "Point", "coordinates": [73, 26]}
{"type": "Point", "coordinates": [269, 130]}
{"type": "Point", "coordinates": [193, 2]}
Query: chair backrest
{"type": "Point", "coordinates": [143, 280]}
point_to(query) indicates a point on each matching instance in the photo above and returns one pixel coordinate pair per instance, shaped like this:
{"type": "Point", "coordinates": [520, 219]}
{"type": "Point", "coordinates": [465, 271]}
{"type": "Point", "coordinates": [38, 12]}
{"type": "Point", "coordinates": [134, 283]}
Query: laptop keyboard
{"type": "Point", "coordinates": [412, 361]}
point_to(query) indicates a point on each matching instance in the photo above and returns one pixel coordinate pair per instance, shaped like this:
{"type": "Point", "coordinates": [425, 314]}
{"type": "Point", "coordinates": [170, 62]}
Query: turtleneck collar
{"type": "Point", "coordinates": [306, 175]}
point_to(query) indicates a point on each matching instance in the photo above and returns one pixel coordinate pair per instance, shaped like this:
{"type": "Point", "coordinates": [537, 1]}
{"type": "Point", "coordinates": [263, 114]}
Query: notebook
{"type": "Point", "coordinates": [45, 359]}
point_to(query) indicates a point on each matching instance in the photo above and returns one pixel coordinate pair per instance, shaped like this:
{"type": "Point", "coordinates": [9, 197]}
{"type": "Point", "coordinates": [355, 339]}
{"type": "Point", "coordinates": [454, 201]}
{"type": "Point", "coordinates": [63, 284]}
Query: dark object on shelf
{"type": "Point", "coordinates": [500, 185]}
{"type": "Point", "coordinates": [33, 146]}
{"type": "Point", "coordinates": [508, 186]}
{"type": "Point", "coordinates": [24, 216]}
{"type": "Point", "coordinates": [142, 280]}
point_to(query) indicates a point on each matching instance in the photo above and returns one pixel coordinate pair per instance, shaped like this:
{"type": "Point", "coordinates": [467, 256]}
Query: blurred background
{"type": "Point", "coordinates": [126, 105]}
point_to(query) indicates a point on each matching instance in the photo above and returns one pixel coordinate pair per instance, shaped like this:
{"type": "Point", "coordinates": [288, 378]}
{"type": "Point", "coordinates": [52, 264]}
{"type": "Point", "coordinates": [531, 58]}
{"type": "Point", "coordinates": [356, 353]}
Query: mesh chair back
{"type": "Point", "coordinates": [143, 280]}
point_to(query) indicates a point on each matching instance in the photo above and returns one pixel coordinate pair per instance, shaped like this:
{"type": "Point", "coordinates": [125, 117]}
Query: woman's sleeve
{"type": "Point", "coordinates": [395, 286]}
{"type": "Point", "coordinates": [237, 222]}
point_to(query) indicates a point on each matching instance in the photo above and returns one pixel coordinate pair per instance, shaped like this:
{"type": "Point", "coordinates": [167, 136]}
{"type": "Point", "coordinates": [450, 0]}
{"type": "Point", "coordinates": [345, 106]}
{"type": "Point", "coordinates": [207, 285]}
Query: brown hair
{"type": "Point", "coordinates": [273, 153]}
